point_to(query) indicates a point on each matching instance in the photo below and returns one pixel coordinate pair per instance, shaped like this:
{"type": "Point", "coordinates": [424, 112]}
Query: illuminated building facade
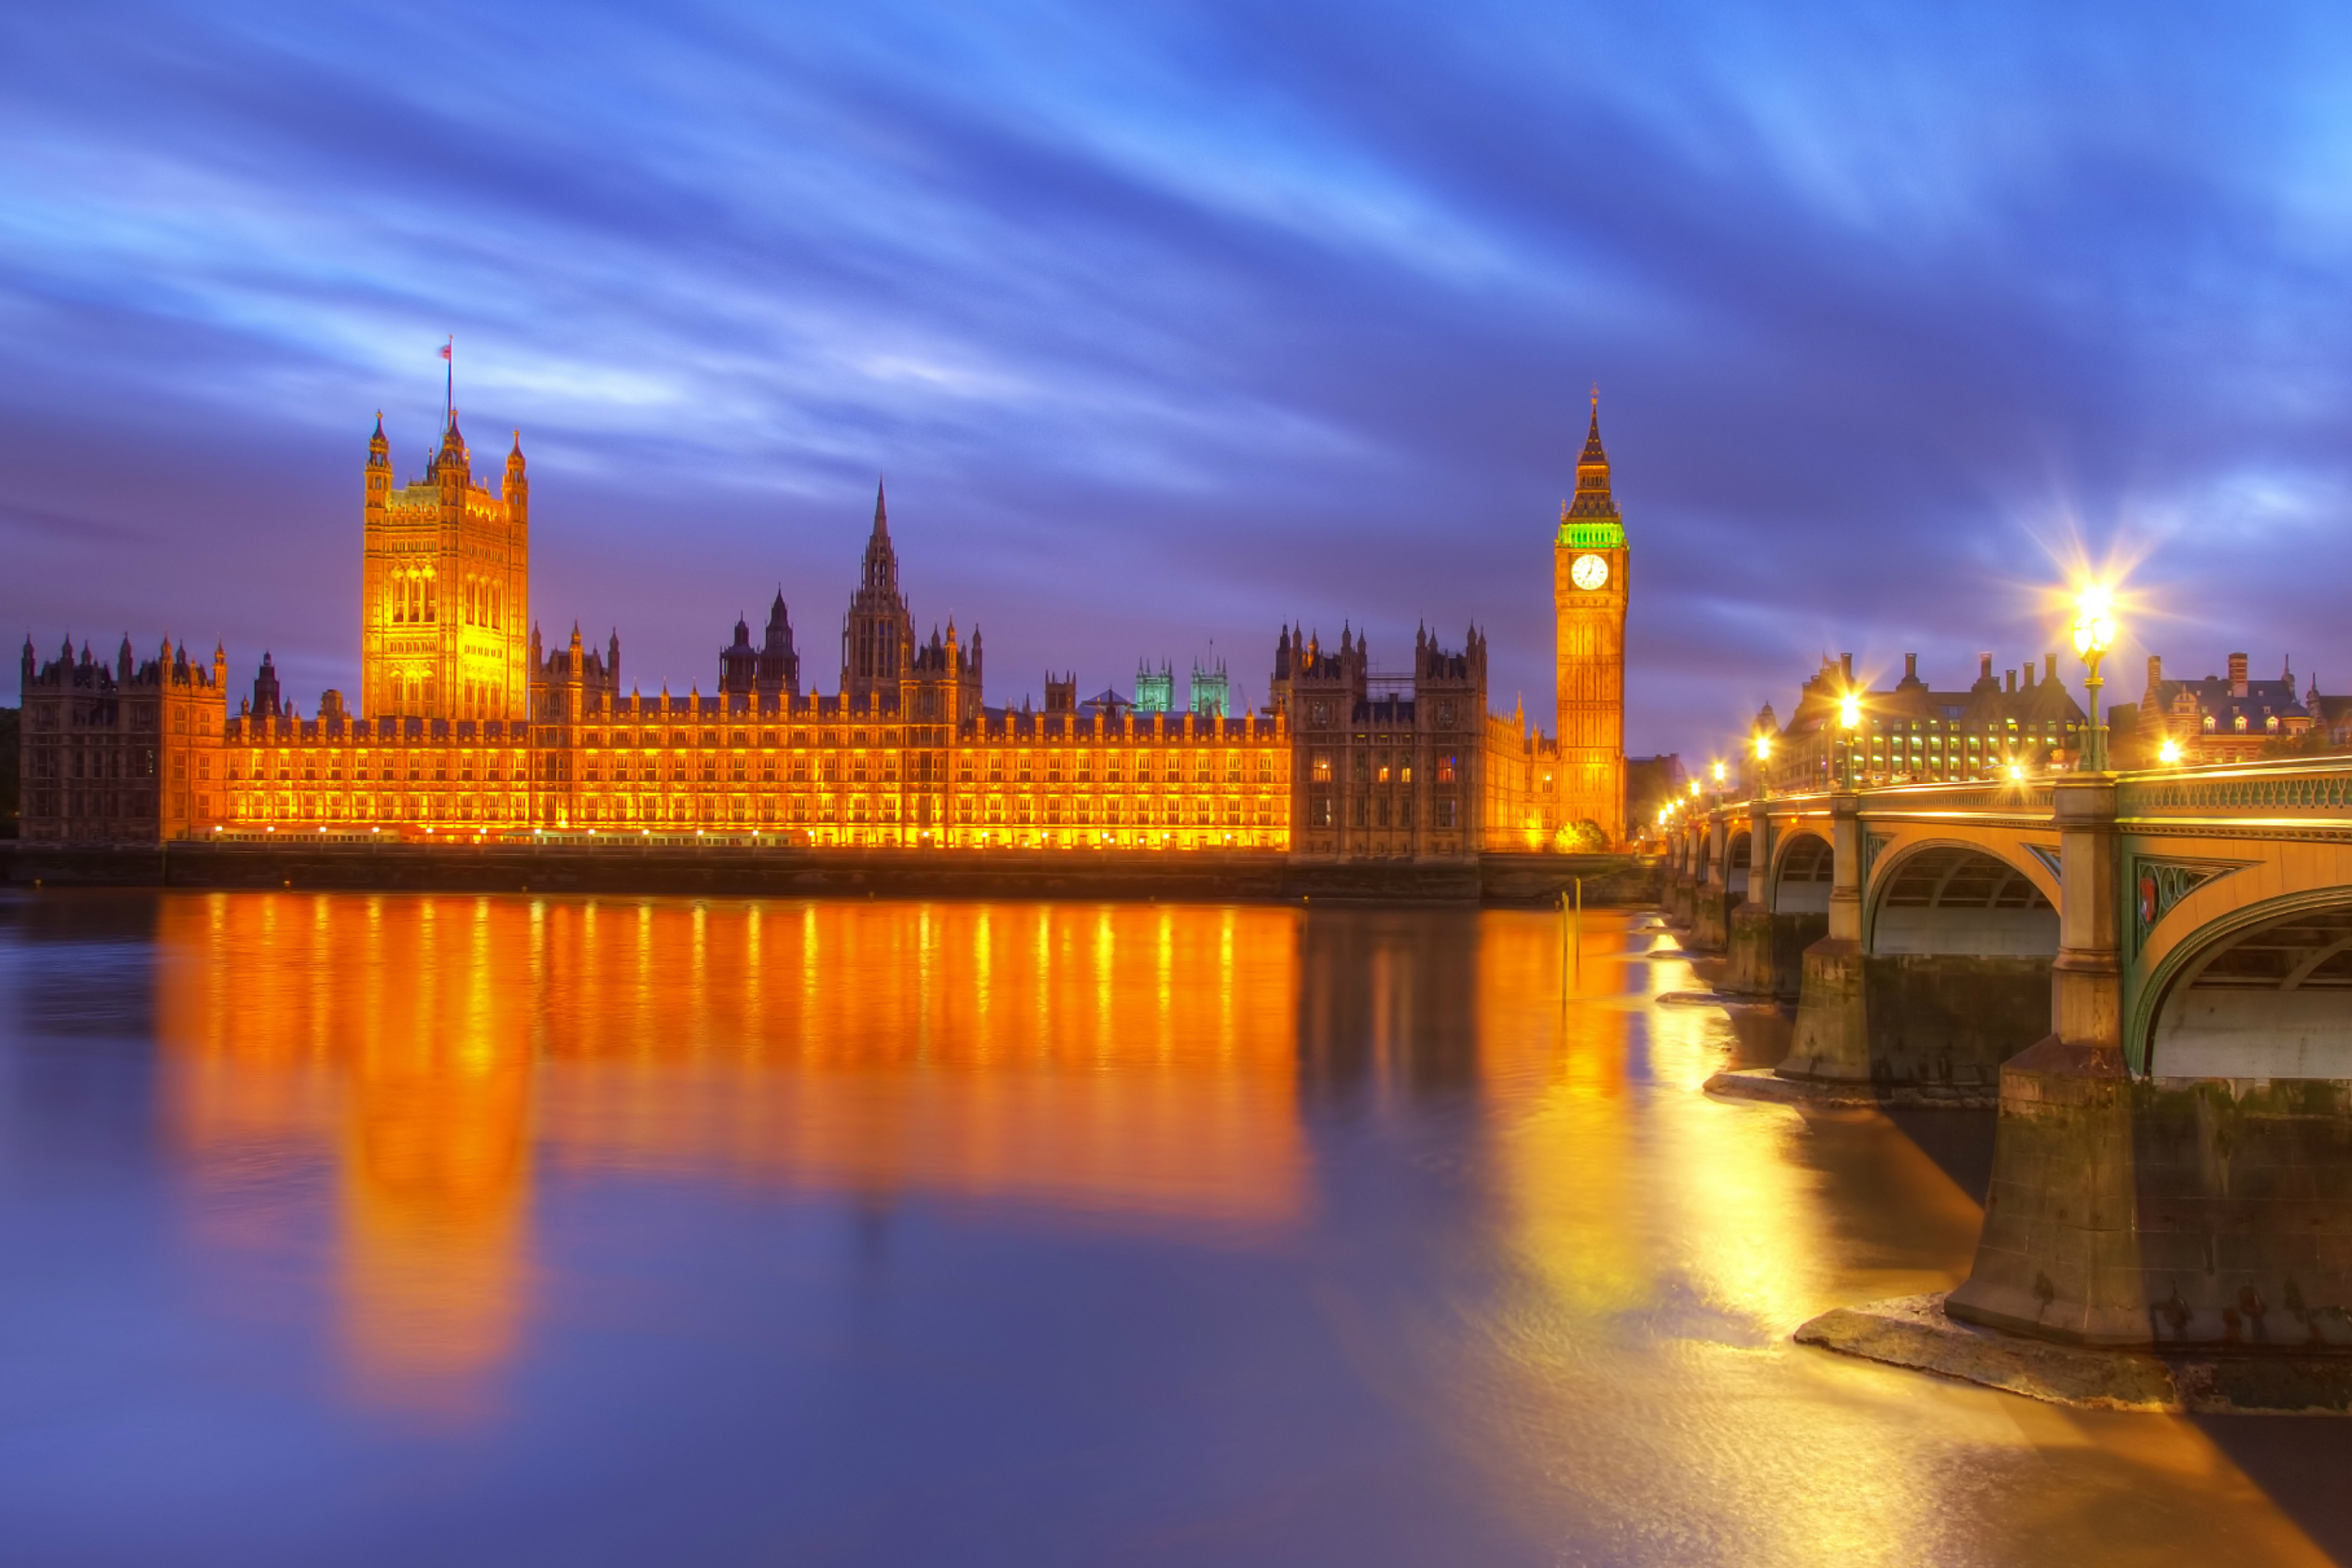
{"type": "Point", "coordinates": [1589, 599]}
{"type": "Point", "coordinates": [120, 755]}
{"type": "Point", "coordinates": [1910, 733]}
{"type": "Point", "coordinates": [470, 728]}
{"type": "Point", "coordinates": [446, 595]}
{"type": "Point", "coordinates": [2218, 720]}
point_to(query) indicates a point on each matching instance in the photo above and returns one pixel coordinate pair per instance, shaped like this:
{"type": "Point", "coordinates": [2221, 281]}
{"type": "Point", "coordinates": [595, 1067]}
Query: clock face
{"type": "Point", "coordinates": [1589, 572]}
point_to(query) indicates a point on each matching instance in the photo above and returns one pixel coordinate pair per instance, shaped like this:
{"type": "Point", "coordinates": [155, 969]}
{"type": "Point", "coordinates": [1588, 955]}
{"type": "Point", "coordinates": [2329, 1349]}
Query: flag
{"type": "Point", "coordinates": [444, 350]}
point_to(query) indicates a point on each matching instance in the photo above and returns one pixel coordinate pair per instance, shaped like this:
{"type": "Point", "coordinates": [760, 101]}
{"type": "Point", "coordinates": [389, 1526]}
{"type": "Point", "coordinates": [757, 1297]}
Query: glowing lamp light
{"type": "Point", "coordinates": [1850, 710]}
{"type": "Point", "coordinates": [2016, 771]}
{"type": "Point", "coordinates": [1718, 773]}
{"type": "Point", "coordinates": [1763, 748]}
{"type": "Point", "coordinates": [2094, 621]}
{"type": "Point", "coordinates": [2170, 753]}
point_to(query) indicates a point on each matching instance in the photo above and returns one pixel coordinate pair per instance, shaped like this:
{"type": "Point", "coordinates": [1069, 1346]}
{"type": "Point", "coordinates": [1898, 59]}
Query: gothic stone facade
{"type": "Point", "coordinates": [469, 727]}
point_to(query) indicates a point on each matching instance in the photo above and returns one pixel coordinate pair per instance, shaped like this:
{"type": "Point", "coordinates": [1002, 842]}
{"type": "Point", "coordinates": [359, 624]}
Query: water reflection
{"type": "Point", "coordinates": [1137, 1061]}
{"type": "Point", "coordinates": [908, 1233]}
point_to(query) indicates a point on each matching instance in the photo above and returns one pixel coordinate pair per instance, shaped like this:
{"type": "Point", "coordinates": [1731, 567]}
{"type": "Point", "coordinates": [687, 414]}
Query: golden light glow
{"type": "Point", "coordinates": [2170, 753]}
{"type": "Point", "coordinates": [1850, 710]}
{"type": "Point", "coordinates": [1719, 774]}
{"type": "Point", "coordinates": [437, 1052]}
{"type": "Point", "coordinates": [2095, 624]}
{"type": "Point", "coordinates": [1763, 748]}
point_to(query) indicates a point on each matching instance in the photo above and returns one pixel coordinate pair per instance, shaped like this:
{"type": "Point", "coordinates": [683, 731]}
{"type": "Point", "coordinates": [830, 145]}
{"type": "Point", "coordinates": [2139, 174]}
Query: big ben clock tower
{"type": "Point", "coordinates": [1587, 576]}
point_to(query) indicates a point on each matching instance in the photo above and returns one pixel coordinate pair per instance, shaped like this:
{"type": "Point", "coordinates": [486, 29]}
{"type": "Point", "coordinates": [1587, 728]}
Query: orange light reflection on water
{"type": "Point", "coordinates": [439, 1053]}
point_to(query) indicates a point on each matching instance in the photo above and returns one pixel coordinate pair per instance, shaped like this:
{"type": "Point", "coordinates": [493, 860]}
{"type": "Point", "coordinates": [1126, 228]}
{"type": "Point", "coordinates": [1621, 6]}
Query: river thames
{"type": "Point", "coordinates": [399, 1229]}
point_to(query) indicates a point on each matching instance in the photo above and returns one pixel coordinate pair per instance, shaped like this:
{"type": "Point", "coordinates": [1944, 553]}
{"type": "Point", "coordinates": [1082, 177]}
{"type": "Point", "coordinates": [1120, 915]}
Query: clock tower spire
{"type": "Point", "coordinates": [1589, 561]}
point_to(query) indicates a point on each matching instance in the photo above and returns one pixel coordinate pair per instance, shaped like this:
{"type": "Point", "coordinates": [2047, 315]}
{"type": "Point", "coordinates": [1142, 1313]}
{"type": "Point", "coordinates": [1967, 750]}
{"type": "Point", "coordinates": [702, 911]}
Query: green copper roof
{"type": "Point", "coordinates": [1587, 534]}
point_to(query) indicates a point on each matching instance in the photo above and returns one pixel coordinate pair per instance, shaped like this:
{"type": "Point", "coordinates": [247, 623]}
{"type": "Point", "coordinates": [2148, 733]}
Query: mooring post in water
{"type": "Point", "coordinates": [1579, 937]}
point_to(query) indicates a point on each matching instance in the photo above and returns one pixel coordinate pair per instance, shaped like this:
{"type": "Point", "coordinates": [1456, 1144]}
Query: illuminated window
{"type": "Point", "coordinates": [1320, 768]}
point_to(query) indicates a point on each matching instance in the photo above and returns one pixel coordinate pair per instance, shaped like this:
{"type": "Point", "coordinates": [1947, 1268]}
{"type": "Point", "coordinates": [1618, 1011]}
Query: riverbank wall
{"type": "Point", "coordinates": [735, 870]}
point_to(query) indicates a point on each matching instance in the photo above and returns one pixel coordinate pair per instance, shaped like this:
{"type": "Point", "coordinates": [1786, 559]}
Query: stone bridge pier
{"type": "Point", "coordinates": [1678, 894]}
{"type": "Point", "coordinates": [2173, 1164]}
{"type": "Point", "coordinates": [1934, 966]}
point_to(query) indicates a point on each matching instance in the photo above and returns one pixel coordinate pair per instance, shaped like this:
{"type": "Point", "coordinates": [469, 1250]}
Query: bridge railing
{"type": "Point", "coordinates": [2298, 788]}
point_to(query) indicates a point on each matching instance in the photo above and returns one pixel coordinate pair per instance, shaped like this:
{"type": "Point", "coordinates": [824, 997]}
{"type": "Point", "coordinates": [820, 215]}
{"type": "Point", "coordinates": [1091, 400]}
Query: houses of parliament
{"type": "Point", "coordinates": [468, 726]}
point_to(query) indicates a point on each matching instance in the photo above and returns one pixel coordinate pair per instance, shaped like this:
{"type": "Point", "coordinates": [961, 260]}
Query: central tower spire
{"type": "Point", "coordinates": [877, 636]}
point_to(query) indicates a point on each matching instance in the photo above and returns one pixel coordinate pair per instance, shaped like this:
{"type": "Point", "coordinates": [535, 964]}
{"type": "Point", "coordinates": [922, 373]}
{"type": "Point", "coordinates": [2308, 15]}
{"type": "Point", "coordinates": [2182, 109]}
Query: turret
{"type": "Point", "coordinates": [27, 665]}
{"type": "Point", "coordinates": [779, 661]}
{"type": "Point", "coordinates": [266, 704]}
{"type": "Point", "coordinates": [739, 664]}
{"type": "Point", "coordinates": [122, 661]}
{"type": "Point", "coordinates": [378, 475]}
{"type": "Point", "coordinates": [453, 469]}
{"type": "Point", "coordinates": [518, 485]}
{"type": "Point", "coordinates": [220, 667]}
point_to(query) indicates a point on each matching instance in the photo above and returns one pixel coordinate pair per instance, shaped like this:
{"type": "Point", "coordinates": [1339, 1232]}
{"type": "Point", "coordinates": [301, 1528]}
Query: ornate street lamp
{"type": "Point", "coordinates": [2094, 633]}
{"type": "Point", "coordinates": [1849, 721]}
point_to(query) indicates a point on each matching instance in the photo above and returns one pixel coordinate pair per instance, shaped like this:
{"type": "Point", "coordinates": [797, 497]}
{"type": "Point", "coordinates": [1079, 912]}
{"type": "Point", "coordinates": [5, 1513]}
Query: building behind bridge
{"type": "Point", "coordinates": [2219, 719]}
{"type": "Point", "coordinates": [1911, 732]}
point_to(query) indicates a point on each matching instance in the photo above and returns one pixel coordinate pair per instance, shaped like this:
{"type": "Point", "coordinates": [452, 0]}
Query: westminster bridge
{"type": "Point", "coordinates": [2153, 971]}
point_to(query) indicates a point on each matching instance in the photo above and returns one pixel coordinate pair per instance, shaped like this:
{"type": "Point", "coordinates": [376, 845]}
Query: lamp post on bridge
{"type": "Point", "coordinates": [2094, 633]}
{"type": "Point", "coordinates": [1849, 721]}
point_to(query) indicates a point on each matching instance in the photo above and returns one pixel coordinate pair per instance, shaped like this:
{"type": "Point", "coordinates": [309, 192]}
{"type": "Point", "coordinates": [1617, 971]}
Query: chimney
{"type": "Point", "coordinates": [2237, 675]}
{"type": "Point", "coordinates": [2013, 679]}
{"type": "Point", "coordinates": [2154, 670]}
{"type": "Point", "coordinates": [2049, 666]}
{"type": "Point", "coordinates": [2029, 675]}
{"type": "Point", "coordinates": [1910, 667]}
{"type": "Point", "coordinates": [1984, 667]}
{"type": "Point", "coordinates": [1845, 667]}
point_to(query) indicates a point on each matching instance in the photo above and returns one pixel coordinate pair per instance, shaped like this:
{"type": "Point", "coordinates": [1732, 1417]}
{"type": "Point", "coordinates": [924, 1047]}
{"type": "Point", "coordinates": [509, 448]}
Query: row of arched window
{"type": "Point", "coordinates": [416, 599]}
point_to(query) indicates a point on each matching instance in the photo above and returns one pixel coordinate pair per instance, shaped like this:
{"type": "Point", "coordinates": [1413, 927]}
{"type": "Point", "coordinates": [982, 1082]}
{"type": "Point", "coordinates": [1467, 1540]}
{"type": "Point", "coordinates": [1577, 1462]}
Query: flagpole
{"type": "Point", "coordinates": [449, 388]}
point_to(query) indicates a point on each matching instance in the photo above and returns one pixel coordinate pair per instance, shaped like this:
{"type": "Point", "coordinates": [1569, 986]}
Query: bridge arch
{"type": "Point", "coordinates": [1736, 868]}
{"type": "Point", "coordinates": [1948, 897]}
{"type": "Point", "coordinates": [1802, 872]}
{"type": "Point", "coordinates": [2263, 993]}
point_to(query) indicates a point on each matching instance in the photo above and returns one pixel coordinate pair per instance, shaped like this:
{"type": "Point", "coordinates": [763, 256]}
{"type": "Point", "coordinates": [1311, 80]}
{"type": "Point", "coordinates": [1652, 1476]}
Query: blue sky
{"type": "Point", "coordinates": [1170, 324]}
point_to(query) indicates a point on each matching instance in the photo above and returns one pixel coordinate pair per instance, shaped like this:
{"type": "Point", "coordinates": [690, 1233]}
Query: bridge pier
{"type": "Point", "coordinates": [1708, 908]}
{"type": "Point", "coordinates": [1682, 887]}
{"type": "Point", "coordinates": [1756, 968]}
{"type": "Point", "coordinates": [1911, 1018]}
{"type": "Point", "coordinates": [1832, 1041]}
{"type": "Point", "coordinates": [2154, 1212]}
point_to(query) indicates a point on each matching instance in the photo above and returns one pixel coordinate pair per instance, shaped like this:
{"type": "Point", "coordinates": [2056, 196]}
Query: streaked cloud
{"type": "Point", "coordinates": [1169, 323]}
